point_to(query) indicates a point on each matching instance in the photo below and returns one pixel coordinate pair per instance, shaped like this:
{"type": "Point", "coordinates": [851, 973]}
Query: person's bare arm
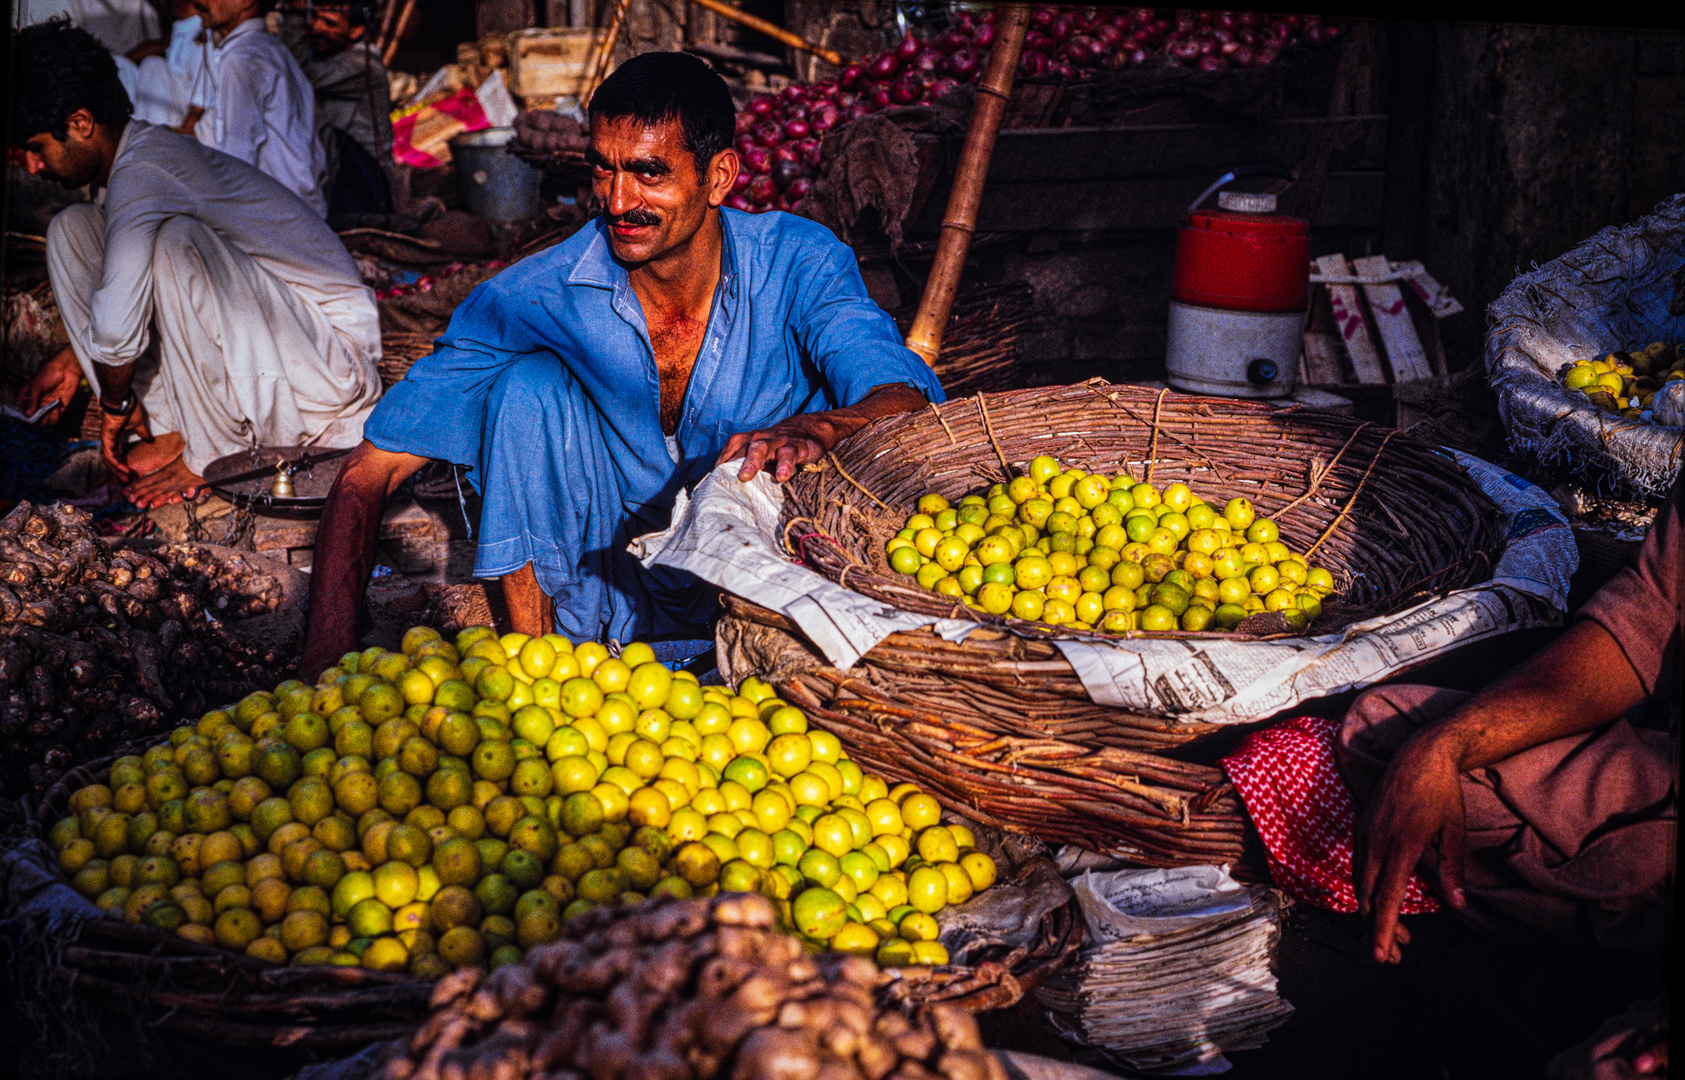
{"type": "Point", "coordinates": [345, 549]}
{"type": "Point", "coordinates": [1580, 682]}
{"type": "Point", "coordinates": [805, 438]}
{"type": "Point", "coordinates": [530, 611]}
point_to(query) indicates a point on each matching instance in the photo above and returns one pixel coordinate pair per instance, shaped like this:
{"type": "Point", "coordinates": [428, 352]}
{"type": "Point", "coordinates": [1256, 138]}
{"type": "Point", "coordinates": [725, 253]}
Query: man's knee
{"type": "Point", "coordinates": [76, 236]}
{"type": "Point", "coordinates": [177, 237]}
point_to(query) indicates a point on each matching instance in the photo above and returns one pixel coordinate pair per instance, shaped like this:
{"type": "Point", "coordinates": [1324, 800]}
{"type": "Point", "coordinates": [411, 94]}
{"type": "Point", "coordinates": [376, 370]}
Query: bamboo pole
{"type": "Point", "coordinates": [391, 48]}
{"type": "Point", "coordinates": [772, 30]}
{"type": "Point", "coordinates": [600, 61]}
{"type": "Point", "coordinates": [960, 219]}
{"type": "Point", "coordinates": [388, 16]}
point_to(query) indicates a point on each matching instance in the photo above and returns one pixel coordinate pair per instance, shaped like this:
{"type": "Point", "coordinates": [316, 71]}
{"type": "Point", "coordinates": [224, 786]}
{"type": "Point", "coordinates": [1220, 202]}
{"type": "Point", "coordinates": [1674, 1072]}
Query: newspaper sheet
{"type": "Point", "coordinates": [727, 534]}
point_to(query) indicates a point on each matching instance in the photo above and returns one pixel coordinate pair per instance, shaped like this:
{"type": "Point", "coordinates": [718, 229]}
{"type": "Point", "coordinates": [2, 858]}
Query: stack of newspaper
{"type": "Point", "coordinates": [1177, 970]}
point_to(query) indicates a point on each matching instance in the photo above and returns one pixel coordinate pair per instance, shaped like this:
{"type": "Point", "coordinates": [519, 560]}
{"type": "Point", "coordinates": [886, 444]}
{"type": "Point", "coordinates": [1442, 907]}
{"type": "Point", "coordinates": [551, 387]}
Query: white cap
{"type": "Point", "coordinates": [1246, 202]}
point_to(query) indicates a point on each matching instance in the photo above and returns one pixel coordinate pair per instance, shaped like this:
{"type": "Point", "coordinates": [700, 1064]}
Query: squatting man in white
{"type": "Point", "coordinates": [209, 307]}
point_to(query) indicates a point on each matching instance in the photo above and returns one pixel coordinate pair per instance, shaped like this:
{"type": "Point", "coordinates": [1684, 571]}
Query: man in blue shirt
{"type": "Point", "coordinates": [587, 384]}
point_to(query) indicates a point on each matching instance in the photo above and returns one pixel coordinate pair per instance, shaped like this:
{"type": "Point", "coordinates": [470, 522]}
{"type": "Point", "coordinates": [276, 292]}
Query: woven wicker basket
{"type": "Point", "coordinates": [1000, 721]}
{"type": "Point", "coordinates": [285, 1016]}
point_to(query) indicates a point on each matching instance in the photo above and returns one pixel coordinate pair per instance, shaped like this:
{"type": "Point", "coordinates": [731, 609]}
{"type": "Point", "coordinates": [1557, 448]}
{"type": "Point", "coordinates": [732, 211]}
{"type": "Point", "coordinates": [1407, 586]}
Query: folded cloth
{"type": "Point", "coordinates": [1288, 781]}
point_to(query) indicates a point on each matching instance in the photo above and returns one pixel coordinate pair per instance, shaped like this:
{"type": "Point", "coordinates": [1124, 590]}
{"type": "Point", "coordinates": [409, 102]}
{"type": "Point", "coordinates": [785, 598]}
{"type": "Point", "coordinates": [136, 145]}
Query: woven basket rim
{"type": "Point", "coordinates": [808, 541]}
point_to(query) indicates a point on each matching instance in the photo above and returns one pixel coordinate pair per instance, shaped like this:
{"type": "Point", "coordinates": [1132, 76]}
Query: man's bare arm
{"type": "Point", "coordinates": [345, 549]}
{"type": "Point", "coordinates": [805, 438]}
{"type": "Point", "coordinates": [1580, 682]}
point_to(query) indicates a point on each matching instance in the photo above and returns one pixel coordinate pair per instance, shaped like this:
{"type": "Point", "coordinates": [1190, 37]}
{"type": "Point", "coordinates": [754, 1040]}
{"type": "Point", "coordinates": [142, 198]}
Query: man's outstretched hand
{"type": "Point", "coordinates": [1418, 805]}
{"type": "Point", "coordinates": [807, 437]}
{"type": "Point", "coordinates": [56, 380]}
{"type": "Point", "coordinates": [783, 448]}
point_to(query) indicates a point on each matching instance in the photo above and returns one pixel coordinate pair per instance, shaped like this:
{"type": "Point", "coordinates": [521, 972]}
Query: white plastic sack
{"type": "Point", "coordinates": [727, 533]}
{"type": "Point", "coordinates": [1622, 289]}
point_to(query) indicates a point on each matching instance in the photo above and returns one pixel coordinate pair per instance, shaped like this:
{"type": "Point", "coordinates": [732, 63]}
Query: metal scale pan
{"type": "Point", "coordinates": [283, 480]}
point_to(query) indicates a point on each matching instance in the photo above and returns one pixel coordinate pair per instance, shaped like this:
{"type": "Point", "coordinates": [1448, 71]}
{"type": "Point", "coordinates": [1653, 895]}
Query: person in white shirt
{"type": "Point", "coordinates": [261, 329]}
{"type": "Point", "coordinates": [169, 82]}
{"type": "Point", "coordinates": [264, 110]}
{"type": "Point", "coordinates": [119, 25]}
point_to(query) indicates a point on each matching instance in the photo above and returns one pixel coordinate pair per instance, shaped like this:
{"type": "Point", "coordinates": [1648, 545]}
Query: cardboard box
{"type": "Point", "coordinates": [552, 63]}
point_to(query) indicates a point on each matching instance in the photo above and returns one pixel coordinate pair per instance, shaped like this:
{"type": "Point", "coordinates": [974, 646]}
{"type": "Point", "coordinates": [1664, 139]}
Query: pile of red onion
{"type": "Point", "coordinates": [778, 135]}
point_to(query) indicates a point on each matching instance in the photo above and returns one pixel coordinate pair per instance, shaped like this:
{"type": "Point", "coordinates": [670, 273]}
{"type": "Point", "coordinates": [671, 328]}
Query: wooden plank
{"type": "Point", "coordinates": [1148, 150]}
{"type": "Point", "coordinates": [1392, 319]}
{"type": "Point", "coordinates": [1354, 328]}
{"type": "Point", "coordinates": [1322, 365]}
{"type": "Point", "coordinates": [1350, 199]}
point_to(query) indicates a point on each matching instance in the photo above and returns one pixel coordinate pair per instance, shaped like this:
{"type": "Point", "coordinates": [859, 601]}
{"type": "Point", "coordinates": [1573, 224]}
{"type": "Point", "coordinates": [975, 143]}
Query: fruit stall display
{"type": "Point", "coordinates": [458, 804]}
{"type": "Point", "coordinates": [100, 643]}
{"type": "Point", "coordinates": [1064, 547]}
{"type": "Point", "coordinates": [999, 720]}
{"type": "Point", "coordinates": [779, 135]}
{"type": "Point", "coordinates": [1645, 384]}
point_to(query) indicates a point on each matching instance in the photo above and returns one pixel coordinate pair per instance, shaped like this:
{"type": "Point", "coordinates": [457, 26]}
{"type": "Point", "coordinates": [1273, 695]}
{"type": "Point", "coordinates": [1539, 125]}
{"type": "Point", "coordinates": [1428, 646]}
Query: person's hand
{"type": "Point", "coordinates": [782, 448]}
{"type": "Point", "coordinates": [114, 442]}
{"type": "Point", "coordinates": [190, 121]}
{"type": "Point", "coordinates": [1419, 803]}
{"type": "Point", "coordinates": [57, 380]}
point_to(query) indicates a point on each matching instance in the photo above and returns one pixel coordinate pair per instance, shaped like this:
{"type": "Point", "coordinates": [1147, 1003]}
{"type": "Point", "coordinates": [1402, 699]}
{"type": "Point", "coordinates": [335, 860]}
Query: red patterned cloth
{"type": "Point", "coordinates": [1287, 778]}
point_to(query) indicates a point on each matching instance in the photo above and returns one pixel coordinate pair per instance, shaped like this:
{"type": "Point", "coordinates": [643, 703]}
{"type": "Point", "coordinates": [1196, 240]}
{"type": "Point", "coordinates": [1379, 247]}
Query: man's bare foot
{"type": "Point", "coordinates": [170, 484]}
{"type": "Point", "coordinates": [146, 458]}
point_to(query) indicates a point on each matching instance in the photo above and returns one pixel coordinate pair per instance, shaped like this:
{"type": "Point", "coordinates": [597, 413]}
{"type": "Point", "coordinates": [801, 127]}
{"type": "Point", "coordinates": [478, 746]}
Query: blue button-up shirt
{"type": "Point", "coordinates": [545, 383]}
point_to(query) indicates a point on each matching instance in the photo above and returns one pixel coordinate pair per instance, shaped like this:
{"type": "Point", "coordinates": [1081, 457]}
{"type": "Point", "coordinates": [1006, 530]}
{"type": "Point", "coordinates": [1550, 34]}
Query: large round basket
{"type": "Point", "coordinates": [1000, 721]}
{"type": "Point", "coordinates": [268, 1020]}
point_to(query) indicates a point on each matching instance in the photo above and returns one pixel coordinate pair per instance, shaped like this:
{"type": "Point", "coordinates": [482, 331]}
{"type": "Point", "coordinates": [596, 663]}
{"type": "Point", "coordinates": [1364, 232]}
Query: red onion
{"type": "Point", "coordinates": [1185, 50]}
{"type": "Point", "coordinates": [851, 75]}
{"type": "Point", "coordinates": [786, 173]}
{"type": "Point", "coordinates": [758, 159]}
{"type": "Point", "coordinates": [906, 90]}
{"type": "Point", "coordinates": [1065, 70]}
{"type": "Point", "coordinates": [1212, 63]}
{"type": "Point", "coordinates": [824, 118]}
{"type": "Point", "coordinates": [1040, 19]}
{"type": "Point", "coordinates": [950, 40]}
{"type": "Point", "coordinates": [856, 111]}
{"type": "Point", "coordinates": [964, 22]}
{"type": "Point", "coordinates": [738, 202]}
{"type": "Point", "coordinates": [909, 48]}
{"type": "Point", "coordinates": [1080, 51]}
{"type": "Point", "coordinates": [796, 206]}
{"type": "Point", "coordinates": [785, 153]}
{"type": "Point", "coordinates": [781, 204]}
{"type": "Point", "coordinates": [929, 61]}
{"type": "Point", "coordinates": [743, 144]}
{"type": "Point", "coordinates": [1063, 27]}
{"type": "Point", "coordinates": [845, 100]}
{"type": "Point", "coordinates": [1242, 56]}
{"type": "Point", "coordinates": [805, 146]}
{"type": "Point", "coordinates": [762, 105]}
{"type": "Point", "coordinates": [1108, 35]}
{"type": "Point", "coordinates": [1033, 63]}
{"type": "Point", "coordinates": [942, 87]}
{"type": "Point", "coordinates": [763, 190]}
{"type": "Point", "coordinates": [745, 121]}
{"type": "Point", "coordinates": [985, 35]}
{"type": "Point", "coordinates": [884, 67]}
{"type": "Point", "coordinates": [768, 133]}
{"type": "Point", "coordinates": [965, 64]}
{"type": "Point", "coordinates": [794, 92]}
{"type": "Point", "coordinates": [741, 182]}
{"type": "Point", "coordinates": [796, 129]}
{"type": "Point", "coordinates": [1037, 43]}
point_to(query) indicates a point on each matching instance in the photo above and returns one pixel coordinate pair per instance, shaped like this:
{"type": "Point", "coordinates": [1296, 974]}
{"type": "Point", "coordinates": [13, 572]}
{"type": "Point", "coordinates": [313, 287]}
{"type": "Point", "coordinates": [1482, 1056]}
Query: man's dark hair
{"type": "Point", "coordinates": [656, 86]}
{"type": "Point", "coordinates": [59, 68]}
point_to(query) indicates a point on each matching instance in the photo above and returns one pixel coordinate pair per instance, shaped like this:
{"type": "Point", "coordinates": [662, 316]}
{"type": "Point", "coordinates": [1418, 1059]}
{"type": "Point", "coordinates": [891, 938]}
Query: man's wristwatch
{"type": "Point", "coordinates": [121, 408]}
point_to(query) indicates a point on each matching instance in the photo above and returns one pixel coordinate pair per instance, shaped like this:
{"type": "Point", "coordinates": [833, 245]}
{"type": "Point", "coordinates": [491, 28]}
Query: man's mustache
{"type": "Point", "coordinates": [635, 217]}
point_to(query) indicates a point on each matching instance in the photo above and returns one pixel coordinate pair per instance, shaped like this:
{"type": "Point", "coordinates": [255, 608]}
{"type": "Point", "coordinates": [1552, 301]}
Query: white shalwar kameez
{"type": "Point", "coordinates": [265, 112]}
{"type": "Point", "coordinates": [164, 88]}
{"type": "Point", "coordinates": [266, 334]}
{"type": "Point", "coordinates": [119, 25]}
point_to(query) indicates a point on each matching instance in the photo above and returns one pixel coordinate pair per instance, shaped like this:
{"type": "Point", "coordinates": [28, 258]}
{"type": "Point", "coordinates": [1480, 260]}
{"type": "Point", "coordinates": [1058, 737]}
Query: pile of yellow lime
{"type": "Point", "coordinates": [1109, 553]}
{"type": "Point", "coordinates": [453, 804]}
{"type": "Point", "coordinates": [1626, 383]}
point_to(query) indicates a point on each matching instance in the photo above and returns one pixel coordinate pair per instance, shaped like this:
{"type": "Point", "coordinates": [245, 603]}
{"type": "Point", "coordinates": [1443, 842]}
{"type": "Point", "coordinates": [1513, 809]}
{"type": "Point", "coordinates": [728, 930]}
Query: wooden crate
{"type": "Point", "coordinates": [552, 63]}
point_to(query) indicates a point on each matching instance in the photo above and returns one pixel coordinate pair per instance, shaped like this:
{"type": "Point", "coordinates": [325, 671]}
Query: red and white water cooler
{"type": "Point", "coordinates": [1237, 297]}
